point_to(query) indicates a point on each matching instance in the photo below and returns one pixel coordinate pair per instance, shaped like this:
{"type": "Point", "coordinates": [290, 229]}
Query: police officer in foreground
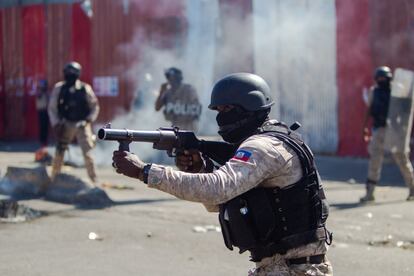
{"type": "Point", "coordinates": [378, 105]}
{"type": "Point", "coordinates": [268, 195]}
{"type": "Point", "coordinates": [73, 107]}
{"type": "Point", "coordinates": [179, 100]}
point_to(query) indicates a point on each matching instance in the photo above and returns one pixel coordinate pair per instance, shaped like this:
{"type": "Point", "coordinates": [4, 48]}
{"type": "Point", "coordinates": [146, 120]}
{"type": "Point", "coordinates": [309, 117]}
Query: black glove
{"type": "Point", "coordinates": [128, 164]}
{"type": "Point", "coordinates": [189, 161]}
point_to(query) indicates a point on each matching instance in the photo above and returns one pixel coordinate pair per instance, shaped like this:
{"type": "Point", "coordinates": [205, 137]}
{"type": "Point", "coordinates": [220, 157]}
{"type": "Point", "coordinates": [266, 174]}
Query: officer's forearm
{"type": "Point", "coordinates": [159, 102]}
{"type": "Point", "coordinates": [207, 188]}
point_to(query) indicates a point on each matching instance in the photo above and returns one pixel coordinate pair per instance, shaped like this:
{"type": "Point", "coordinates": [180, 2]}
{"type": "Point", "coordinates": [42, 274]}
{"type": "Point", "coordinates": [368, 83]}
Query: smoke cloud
{"type": "Point", "coordinates": [293, 47]}
{"type": "Point", "coordinates": [295, 51]}
{"type": "Point", "coordinates": [194, 56]}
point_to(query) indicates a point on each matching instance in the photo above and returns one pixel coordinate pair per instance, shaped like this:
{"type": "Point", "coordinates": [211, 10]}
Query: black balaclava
{"type": "Point", "coordinates": [237, 124]}
{"type": "Point", "coordinates": [70, 78]}
{"type": "Point", "coordinates": [174, 76]}
{"type": "Point", "coordinates": [384, 83]}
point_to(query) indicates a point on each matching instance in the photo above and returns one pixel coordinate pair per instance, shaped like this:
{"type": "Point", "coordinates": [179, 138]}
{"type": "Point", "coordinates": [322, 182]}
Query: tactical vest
{"type": "Point", "coordinates": [73, 107]}
{"type": "Point", "coordinates": [379, 106]}
{"type": "Point", "coordinates": [267, 221]}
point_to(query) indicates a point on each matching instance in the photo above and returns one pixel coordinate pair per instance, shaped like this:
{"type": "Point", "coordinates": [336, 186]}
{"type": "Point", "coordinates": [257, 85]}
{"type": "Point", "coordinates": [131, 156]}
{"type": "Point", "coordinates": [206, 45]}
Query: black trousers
{"type": "Point", "coordinates": [43, 126]}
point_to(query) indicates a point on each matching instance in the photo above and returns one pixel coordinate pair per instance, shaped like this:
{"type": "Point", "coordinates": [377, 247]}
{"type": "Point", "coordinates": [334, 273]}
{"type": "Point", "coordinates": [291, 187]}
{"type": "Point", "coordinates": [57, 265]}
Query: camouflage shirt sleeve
{"type": "Point", "coordinates": [257, 159]}
{"type": "Point", "coordinates": [92, 102]}
{"type": "Point", "coordinates": [53, 104]}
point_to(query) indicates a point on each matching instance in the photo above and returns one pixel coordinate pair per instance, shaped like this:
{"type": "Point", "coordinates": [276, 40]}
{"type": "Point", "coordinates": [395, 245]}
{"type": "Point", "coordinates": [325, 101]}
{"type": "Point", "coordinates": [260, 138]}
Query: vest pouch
{"type": "Point", "coordinates": [251, 219]}
{"type": "Point", "coordinates": [263, 213]}
{"type": "Point", "coordinates": [240, 224]}
{"type": "Point", "coordinates": [225, 228]}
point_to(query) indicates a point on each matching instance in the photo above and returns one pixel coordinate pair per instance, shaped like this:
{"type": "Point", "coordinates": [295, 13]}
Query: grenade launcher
{"type": "Point", "coordinates": [171, 139]}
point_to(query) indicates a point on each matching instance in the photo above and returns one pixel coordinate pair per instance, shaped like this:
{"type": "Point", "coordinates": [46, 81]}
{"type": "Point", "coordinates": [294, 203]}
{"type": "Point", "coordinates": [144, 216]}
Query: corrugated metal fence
{"type": "Point", "coordinates": [317, 55]}
{"type": "Point", "coordinates": [42, 38]}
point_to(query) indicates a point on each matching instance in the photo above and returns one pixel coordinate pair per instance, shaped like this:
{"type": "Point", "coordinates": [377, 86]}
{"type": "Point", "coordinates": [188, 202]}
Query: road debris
{"type": "Point", "coordinates": [116, 186]}
{"type": "Point", "coordinates": [369, 215]}
{"type": "Point", "coordinates": [71, 189]}
{"type": "Point", "coordinates": [385, 241]}
{"type": "Point", "coordinates": [340, 245]}
{"type": "Point", "coordinates": [13, 212]}
{"type": "Point", "coordinates": [405, 244]}
{"type": "Point", "coordinates": [24, 182]}
{"type": "Point", "coordinates": [206, 228]}
{"type": "Point", "coordinates": [94, 236]}
{"type": "Point", "coordinates": [351, 181]}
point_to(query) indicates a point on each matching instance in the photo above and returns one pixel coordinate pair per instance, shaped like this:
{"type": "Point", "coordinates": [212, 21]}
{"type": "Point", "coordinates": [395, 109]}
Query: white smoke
{"type": "Point", "coordinates": [194, 56]}
{"type": "Point", "coordinates": [294, 50]}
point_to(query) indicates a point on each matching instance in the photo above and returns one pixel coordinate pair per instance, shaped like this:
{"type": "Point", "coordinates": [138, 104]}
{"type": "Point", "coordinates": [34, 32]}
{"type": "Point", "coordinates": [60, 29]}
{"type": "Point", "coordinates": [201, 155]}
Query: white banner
{"type": "Point", "coordinates": [106, 86]}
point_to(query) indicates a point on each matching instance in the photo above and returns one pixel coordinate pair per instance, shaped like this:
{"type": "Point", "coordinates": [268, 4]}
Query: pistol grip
{"type": "Point", "coordinates": [124, 145]}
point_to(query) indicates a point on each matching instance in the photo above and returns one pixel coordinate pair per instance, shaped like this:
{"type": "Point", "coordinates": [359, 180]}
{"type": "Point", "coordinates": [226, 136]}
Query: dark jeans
{"type": "Point", "coordinates": [43, 126]}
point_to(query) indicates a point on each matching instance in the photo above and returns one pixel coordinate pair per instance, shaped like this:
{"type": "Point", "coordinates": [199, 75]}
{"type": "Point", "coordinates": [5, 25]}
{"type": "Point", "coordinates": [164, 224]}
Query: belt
{"type": "Point", "coordinates": [316, 259]}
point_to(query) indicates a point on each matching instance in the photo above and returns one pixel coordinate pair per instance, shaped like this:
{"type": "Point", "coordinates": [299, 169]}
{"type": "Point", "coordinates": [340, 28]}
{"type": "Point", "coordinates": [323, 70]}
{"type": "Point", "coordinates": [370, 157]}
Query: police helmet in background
{"type": "Point", "coordinates": [71, 72]}
{"type": "Point", "coordinates": [173, 72]}
{"type": "Point", "coordinates": [383, 71]}
{"type": "Point", "coordinates": [250, 96]}
{"type": "Point", "coordinates": [72, 68]}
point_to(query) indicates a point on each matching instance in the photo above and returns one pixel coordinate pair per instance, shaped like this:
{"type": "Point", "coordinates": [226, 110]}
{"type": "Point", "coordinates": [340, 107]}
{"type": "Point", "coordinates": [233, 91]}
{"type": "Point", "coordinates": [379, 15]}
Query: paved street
{"type": "Point", "coordinates": [151, 233]}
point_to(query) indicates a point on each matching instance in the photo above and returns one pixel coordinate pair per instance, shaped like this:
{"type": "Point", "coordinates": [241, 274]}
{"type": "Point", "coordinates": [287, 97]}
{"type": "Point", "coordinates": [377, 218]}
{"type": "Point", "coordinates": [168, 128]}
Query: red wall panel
{"type": "Point", "coordinates": [354, 72]}
{"type": "Point", "coordinates": [110, 58]}
{"type": "Point", "coordinates": [59, 29]}
{"type": "Point", "coordinates": [2, 92]}
{"type": "Point", "coordinates": [392, 25]}
{"type": "Point", "coordinates": [34, 59]}
{"type": "Point", "coordinates": [118, 45]}
{"type": "Point", "coordinates": [13, 74]}
{"type": "Point", "coordinates": [81, 41]}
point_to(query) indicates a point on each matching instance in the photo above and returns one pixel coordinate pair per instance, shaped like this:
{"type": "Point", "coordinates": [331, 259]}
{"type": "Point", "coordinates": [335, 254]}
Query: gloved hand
{"type": "Point", "coordinates": [128, 164]}
{"type": "Point", "coordinates": [366, 134]}
{"type": "Point", "coordinates": [189, 161]}
{"type": "Point", "coordinates": [59, 128]}
{"type": "Point", "coordinates": [81, 124]}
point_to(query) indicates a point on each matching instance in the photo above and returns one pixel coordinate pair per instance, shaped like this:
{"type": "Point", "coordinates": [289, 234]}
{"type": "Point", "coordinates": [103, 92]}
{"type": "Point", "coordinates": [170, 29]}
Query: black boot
{"type": "Point", "coordinates": [369, 197]}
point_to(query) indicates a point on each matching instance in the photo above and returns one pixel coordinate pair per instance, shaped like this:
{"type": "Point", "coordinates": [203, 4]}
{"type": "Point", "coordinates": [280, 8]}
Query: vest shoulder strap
{"type": "Point", "coordinates": [299, 147]}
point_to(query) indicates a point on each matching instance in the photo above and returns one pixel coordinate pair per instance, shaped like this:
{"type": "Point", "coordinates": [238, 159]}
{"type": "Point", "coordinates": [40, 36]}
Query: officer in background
{"type": "Point", "coordinates": [73, 107]}
{"type": "Point", "coordinates": [268, 195]}
{"type": "Point", "coordinates": [42, 100]}
{"type": "Point", "coordinates": [378, 106]}
{"type": "Point", "coordinates": [180, 101]}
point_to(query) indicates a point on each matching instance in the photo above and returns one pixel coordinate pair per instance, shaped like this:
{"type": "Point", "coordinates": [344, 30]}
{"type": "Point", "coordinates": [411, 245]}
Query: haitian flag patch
{"type": "Point", "coordinates": [242, 155]}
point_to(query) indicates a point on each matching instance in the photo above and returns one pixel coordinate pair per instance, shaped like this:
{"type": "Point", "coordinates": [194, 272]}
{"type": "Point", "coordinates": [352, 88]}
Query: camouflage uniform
{"type": "Point", "coordinates": [376, 152]}
{"type": "Point", "coordinates": [70, 130]}
{"type": "Point", "coordinates": [181, 107]}
{"type": "Point", "coordinates": [271, 164]}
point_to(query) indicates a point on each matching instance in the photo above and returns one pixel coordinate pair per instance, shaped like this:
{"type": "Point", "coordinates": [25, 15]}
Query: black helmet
{"type": "Point", "coordinates": [383, 71]}
{"type": "Point", "coordinates": [173, 71]}
{"type": "Point", "coordinates": [72, 68]}
{"type": "Point", "coordinates": [242, 89]}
